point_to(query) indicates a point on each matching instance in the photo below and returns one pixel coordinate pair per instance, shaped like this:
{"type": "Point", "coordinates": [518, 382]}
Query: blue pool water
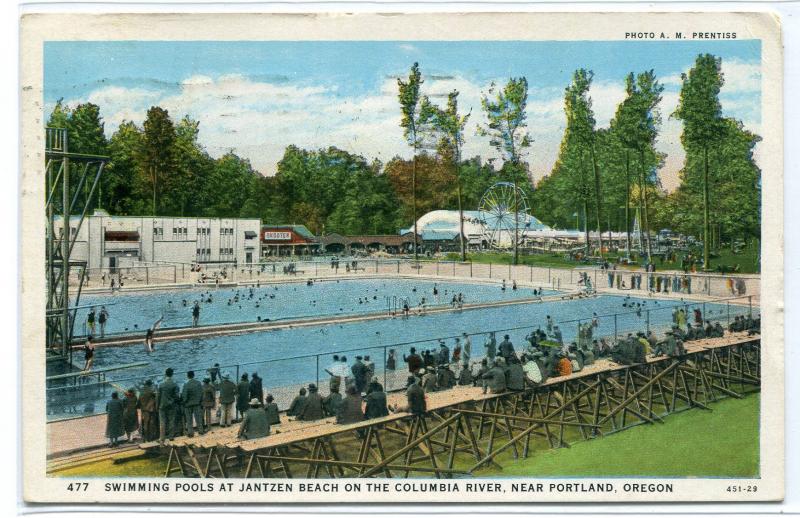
{"type": "Point", "coordinates": [137, 311]}
{"type": "Point", "coordinates": [279, 344]}
{"type": "Point", "coordinates": [273, 354]}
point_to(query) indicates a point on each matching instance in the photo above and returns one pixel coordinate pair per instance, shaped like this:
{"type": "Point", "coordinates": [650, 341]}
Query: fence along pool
{"type": "Point", "coordinates": [288, 358]}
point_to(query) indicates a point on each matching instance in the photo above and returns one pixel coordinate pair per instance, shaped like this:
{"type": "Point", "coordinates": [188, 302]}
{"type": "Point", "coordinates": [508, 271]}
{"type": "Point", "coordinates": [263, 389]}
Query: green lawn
{"type": "Point", "coordinates": [747, 260]}
{"type": "Point", "coordinates": [695, 443]}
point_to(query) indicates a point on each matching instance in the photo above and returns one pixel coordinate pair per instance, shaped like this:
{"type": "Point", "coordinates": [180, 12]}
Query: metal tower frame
{"type": "Point", "coordinates": [65, 198]}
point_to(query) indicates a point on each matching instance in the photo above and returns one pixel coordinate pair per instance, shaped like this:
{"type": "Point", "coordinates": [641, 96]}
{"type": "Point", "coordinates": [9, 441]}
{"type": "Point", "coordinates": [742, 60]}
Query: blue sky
{"type": "Point", "coordinates": [258, 97]}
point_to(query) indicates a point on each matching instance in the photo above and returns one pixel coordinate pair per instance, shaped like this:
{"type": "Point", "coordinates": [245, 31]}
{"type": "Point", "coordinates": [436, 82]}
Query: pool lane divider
{"type": "Point", "coordinates": [184, 333]}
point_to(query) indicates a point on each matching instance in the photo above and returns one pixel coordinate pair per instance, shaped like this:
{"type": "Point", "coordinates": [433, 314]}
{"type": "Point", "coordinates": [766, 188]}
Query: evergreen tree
{"type": "Point", "coordinates": [701, 112]}
{"type": "Point", "coordinates": [507, 132]}
{"type": "Point", "coordinates": [157, 155]}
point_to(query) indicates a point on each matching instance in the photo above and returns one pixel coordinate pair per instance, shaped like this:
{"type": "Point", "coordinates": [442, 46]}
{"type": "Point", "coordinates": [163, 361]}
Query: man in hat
{"type": "Point", "coordinates": [429, 380]}
{"type": "Point", "coordinates": [254, 423]}
{"type": "Point", "coordinates": [374, 385]}
{"type": "Point", "coordinates": [515, 375]}
{"type": "Point", "coordinates": [350, 409]}
{"type": "Point", "coordinates": [443, 356]}
{"type": "Point", "coordinates": [298, 403]}
{"type": "Point", "coordinates": [168, 398]}
{"type": "Point", "coordinates": [491, 346]}
{"type": "Point", "coordinates": [271, 409]}
{"type": "Point", "coordinates": [507, 349]}
{"type": "Point", "coordinates": [414, 361]}
{"type": "Point", "coordinates": [147, 404]}
{"type": "Point", "coordinates": [208, 401]}
{"type": "Point", "coordinates": [445, 378]}
{"type": "Point", "coordinates": [495, 377]}
{"type": "Point", "coordinates": [192, 397]}
{"type": "Point", "coordinates": [331, 402]}
{"type": "Point", "coordinates": [359, 371]}
{"type": "Point", "coordinates": [483, 368]}
{"type": "Point", "coordinates": [256, 388]}
{"type": "Point", "coordinates": [465, 376]}
{"type": "Point", "coordinates": [214, 373]}
{"type": "Point", "coordinates": [376, 403]}
{"type": "Point", "coordinates": [336, 374]}
{"type": "Point", "coordinates": [415, 397]}
{"type": "Point", "coordinates": [312, 409]}
{"type": "Point", "coordinates": [227, 397]}
{"type": "Point", "coordinates": [369, 367]}
{"type": "Point", "coordinates": [466, 350]}
{"type": "Point", "coordinates": [243, 395]}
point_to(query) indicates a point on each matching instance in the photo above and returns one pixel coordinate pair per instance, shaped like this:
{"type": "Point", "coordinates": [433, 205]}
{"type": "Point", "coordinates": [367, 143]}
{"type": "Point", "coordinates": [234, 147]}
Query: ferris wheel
{"type": "Point", "coordinates": [504, 209]}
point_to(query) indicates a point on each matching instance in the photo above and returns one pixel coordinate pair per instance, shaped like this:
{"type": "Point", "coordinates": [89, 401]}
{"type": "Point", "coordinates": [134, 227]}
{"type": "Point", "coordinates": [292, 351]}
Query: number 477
{"type": "Point", "coordinates": [78, 486]}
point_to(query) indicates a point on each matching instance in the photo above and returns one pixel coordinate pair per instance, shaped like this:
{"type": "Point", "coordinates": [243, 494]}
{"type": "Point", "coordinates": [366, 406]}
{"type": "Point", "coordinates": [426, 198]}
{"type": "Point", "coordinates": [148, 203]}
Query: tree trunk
{"type": "Point", "coordinates": [706, 264]}
{"type": "Point", "coordinates": [628, 202]}
{"type": "Point", "coordinates": [155, 183]}
{"type": "Point", "coordinates": [516, 222]}
{"type": "Point", "coordinates": [414, 198]}
{"type": "Point", "coordinates": [644, 201]}
{"type": "Point", "coordinates": [586, 223]}
{"type": "Point", "coordinates": [597, 196]}
{"type": "Point", "coordinates": [460, 217]}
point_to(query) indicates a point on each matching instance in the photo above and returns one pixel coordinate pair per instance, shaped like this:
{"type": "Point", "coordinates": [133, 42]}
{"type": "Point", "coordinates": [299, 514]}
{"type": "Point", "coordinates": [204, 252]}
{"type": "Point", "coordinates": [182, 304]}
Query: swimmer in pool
{"type": "Point", "coordinates": [149, 339]}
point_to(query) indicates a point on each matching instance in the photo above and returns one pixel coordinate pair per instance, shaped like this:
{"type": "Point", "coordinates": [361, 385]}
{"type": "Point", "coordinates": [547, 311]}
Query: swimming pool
{"type": "Point", "coordinates": [137, 311]}
{"type": "Point", "coordinates": [270, 353]}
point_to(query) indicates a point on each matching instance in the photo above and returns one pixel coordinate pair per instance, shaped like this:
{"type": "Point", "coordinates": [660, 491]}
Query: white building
{"type": "Point", "coordinates": [110, 241]}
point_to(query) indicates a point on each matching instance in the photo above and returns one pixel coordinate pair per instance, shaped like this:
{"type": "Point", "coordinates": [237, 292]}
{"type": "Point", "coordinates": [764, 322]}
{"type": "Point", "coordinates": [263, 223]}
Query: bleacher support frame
{"type": "Point", "coordinates": [463, 437]}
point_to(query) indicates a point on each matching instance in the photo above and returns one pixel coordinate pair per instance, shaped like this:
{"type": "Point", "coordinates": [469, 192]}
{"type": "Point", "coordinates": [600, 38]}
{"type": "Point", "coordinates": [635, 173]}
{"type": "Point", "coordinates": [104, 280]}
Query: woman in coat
{"type": "Point", "coordinates": [114, 425]}
{"type": "Point", "coordinates": [130, 414]}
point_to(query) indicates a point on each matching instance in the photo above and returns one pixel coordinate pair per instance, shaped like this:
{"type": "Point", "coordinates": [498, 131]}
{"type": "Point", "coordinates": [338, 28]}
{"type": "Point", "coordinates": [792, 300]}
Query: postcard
{"type": "Point", "coordinates": [420, 257]}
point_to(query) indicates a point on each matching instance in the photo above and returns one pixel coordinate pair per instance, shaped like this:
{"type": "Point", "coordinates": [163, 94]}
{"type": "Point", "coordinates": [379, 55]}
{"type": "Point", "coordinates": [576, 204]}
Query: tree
{"type": "Point", "coordinates": [412, 106]}
{"type": "Point", "coordinates": [123, 184]}
{"type": "Point", "coordinates": [450, 126]}
{"type": "Point", "coordinates": [635, 125]}
{"type": "Point", "coordinates": [701, 112]}
{"type": "Point", "coordinates": [507, 132]}
{"type": "Point", "coordinates": [156, 154]}
{"type": "Point", "coordinates": [581, 129]}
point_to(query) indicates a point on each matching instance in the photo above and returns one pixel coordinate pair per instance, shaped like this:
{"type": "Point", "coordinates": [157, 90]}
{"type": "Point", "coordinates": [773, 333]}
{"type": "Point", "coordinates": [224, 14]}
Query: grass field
{"type": "Point", "coordinates": [696, 443]}
{"type": "Point", "coordinates": [747, 260]}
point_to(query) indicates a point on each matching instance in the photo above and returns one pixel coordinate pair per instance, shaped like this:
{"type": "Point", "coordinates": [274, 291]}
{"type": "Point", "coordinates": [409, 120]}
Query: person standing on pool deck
{"type": "Point", "coordinates": [192, 397]}
{"type": "Point", "coordinates": [227, 397]}
{"type": "Point", "coordinates": [466, 350]}
{"type": "Point", "coordinates": [214, 373]}
{"type": "Point", "coordinates": [414, 361]}
{"type": "Point", "coordinates": [243, 395]}
{"type": "Point", "coordinates": [196, 316]}
{"type": "Point", "coordinates": [102, 319]}
{"type": "Point", "coordinates": [88, 354]}
{"type": "Point", "coordinates": [114, 419]}
{"type": "Point", "coordinates": [90, 321]}
{"type": "Point", "coordinates": [208, 401]}
{"type": "Point", "coordinates": [491, 346]}
{"type": "Point", "coordinates": [256, 388]}
{"type": "Point", "coordinates": [147, 404]}
{"type": "Point", "coordinates": [168, 398]}
{"type": "Point", "coordinates": [549, 324]}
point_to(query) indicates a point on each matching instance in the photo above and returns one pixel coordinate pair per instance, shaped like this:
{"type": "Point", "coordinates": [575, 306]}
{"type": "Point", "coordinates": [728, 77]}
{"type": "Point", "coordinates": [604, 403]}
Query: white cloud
{"type": "Point", "coordinates": [259, 119]}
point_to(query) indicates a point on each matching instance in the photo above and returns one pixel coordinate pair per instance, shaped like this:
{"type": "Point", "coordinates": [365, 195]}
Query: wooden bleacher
{"type": "Point", "coordinates": [602, 398]}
